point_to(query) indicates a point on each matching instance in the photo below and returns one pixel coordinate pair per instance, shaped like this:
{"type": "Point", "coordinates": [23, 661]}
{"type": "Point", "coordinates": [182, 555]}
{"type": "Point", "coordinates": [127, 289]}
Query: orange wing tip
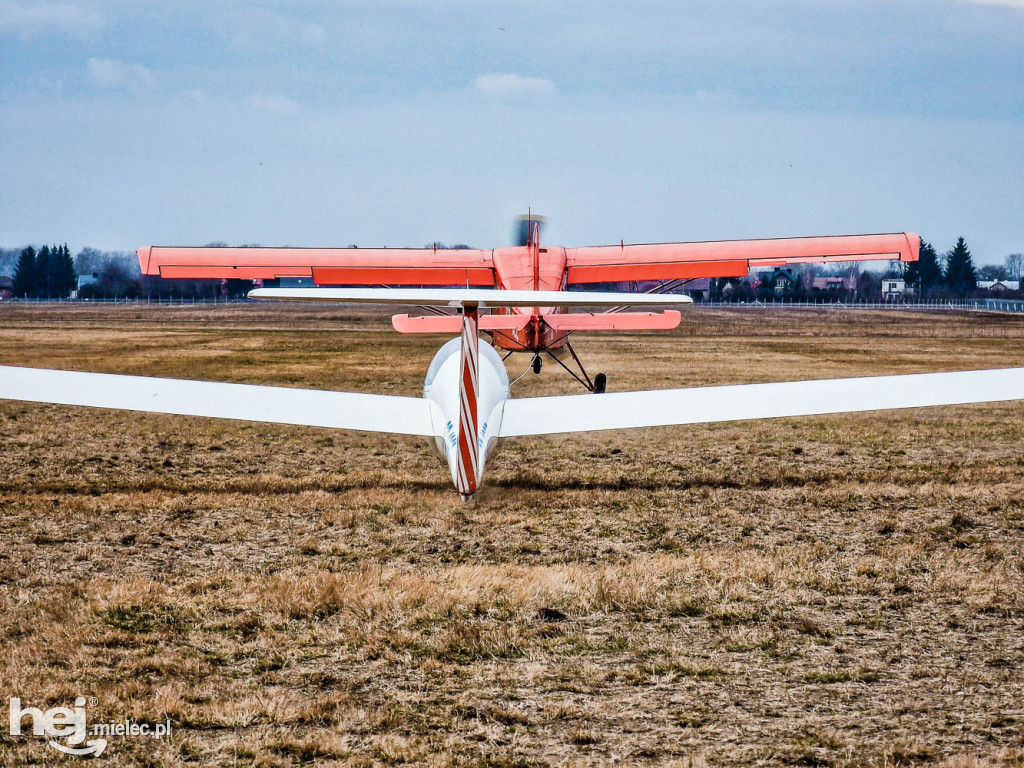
{"type": "Point", "coordinates": [914, 246]}
{"type": "Point", "coordinates": [145, 255]}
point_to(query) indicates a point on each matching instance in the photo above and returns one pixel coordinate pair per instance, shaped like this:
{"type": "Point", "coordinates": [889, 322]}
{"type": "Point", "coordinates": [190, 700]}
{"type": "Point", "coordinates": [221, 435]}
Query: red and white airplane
{"type": "Point", "coordinates": [528, 265]}
{"type": "Point", "coordinates": [467, 405]}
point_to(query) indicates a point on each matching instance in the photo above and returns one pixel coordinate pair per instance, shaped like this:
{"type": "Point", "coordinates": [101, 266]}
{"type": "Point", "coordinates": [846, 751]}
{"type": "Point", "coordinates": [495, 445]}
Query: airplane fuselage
{"type": "Point", "coordinates": [530, 268]}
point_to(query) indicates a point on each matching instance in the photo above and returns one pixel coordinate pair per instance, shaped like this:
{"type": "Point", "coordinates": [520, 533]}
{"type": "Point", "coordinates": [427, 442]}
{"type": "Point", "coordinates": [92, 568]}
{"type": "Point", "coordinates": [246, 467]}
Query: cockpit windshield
{"type": "Point", "coordinates": [452, 347]}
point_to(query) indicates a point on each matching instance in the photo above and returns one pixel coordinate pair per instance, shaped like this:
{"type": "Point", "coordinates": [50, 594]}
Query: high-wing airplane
{"type": "Point", "coordinates": [467, 404]}
{"type": "Point", "coordinates": [527, 265]}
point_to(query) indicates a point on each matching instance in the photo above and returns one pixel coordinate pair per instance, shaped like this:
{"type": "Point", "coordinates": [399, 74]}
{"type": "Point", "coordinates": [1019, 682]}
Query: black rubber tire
{"type": "Point", "coordinates": [600, 383]}
{"type": "Point", "coordinates": [537, 364]}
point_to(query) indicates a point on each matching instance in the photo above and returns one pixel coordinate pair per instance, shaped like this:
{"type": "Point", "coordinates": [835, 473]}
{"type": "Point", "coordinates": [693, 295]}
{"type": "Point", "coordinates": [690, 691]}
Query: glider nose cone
{"type": "Point", "coordinates": [442, 389]}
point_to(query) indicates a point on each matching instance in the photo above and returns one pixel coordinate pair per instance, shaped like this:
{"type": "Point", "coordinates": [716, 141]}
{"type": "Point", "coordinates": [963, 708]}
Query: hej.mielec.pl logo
{"type": "Point", "coordinates": [69, 724]}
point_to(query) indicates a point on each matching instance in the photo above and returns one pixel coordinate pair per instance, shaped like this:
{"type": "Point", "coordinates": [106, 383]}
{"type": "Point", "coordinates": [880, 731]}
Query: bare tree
{"type": "Point", "coordinates": [1014, 265]}
{"type": "Point", "coordinates": [992, 272]}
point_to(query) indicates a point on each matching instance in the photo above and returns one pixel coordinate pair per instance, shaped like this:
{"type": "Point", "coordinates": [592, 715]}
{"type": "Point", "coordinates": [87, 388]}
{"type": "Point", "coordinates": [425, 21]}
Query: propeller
{"type": "Point", "coordinates": [523, 228]}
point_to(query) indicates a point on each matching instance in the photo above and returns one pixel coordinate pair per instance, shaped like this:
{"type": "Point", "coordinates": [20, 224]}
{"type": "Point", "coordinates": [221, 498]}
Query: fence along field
{"type": "Point", "coordinates": [822, 591]}
{"type": "Point", "coordinates": [924, 305]}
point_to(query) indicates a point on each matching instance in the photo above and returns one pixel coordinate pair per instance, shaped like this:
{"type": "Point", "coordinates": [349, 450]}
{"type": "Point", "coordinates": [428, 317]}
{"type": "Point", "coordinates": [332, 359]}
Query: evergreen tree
{"type": "Point", "coordinates": [43, 273]}
{"type": "Point", "coordinates": [65, 276]}
{"type": "Point", "coordinates": [925, 273]}
{"type": "Point", "coordinates": [960, 275]}
{"type": "Point", "coordinates": [25, 274]}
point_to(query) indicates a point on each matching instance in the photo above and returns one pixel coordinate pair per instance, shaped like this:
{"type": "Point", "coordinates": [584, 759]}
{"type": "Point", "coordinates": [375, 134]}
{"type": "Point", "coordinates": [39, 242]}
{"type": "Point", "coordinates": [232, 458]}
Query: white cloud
{"type": "Point", "coordinates": [274, 104]}
{"type": "Point", "coordinates": [501, 86]}
{"type": "Point", "coordinates": [33, 19]}
{"type": "Point", "coordinates": [118, 75]}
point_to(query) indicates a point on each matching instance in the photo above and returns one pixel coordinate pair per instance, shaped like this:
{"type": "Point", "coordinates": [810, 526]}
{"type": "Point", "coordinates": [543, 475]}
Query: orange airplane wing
{"type": "Point", "coordinates": [729, 258]}
{"type": "Point", "coordinates": [326, 266]}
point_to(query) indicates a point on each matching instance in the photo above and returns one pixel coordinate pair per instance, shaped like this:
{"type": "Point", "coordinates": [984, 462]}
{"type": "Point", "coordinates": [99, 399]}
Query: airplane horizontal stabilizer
{"type": "Point", "coordinates": [452, 324]}
{"type": "Point", "coordinates": [702, 405]}
{"type": "Point", "coordinates": [621, 321]}
{"type": "Point", "coordinates": [248, 402]}
{"type": "Point", "coordinates": [455, 297]}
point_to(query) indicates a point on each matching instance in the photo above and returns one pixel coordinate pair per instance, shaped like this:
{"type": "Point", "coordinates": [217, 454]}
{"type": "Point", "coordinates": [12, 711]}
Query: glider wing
{"type": "Point", "coordinates": [248, 402]}
{"type": "Point", "coordinates": [454, 297]}
{"type": "Point", "coordinates": [701, 405]}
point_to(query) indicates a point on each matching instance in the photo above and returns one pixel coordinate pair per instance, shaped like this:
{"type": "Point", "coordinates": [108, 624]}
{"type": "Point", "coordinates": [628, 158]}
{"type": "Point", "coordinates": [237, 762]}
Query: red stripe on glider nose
{"type": "Point", "coordinates": [467, 479]}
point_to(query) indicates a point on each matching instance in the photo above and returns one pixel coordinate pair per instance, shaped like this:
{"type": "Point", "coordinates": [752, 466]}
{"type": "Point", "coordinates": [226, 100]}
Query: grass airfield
{"type": "Point", "coordinates": [822, 591]}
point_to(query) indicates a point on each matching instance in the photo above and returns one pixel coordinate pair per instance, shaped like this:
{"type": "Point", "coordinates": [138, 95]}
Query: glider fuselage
{"type": "Point", "coordinates": [469, 413]}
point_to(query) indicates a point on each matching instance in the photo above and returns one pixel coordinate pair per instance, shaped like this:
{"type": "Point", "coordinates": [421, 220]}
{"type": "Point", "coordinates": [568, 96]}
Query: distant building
{"type": "Point", "coordinates": [6, 287]}
{"type": "Point", "coordinates": [294, 282]}
{"type": "Point", "coordinates": [893, 287]}
{"type": "Point", "coordinates": [698, 289]}
{"type": "Point", "coordinates": [834, 283]}
{"type": "Point", "coordinates": [999, 286]}
{"type": "Point", "coordinates": [781, 279]}
{"type": "Point", "coordinates": [89, 278]}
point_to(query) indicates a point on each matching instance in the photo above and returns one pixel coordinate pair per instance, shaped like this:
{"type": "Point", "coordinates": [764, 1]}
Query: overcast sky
{"type": "Point", "coordinates": [382, 122]}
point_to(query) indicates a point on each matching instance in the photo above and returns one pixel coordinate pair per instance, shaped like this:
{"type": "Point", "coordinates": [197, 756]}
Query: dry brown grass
{"type": "Point", "coordinates": [824, 591]}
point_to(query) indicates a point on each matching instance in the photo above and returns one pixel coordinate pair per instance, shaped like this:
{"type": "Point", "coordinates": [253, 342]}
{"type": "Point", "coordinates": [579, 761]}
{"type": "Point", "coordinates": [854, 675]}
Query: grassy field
{"type": "Point", "coordinates": [827, 591]}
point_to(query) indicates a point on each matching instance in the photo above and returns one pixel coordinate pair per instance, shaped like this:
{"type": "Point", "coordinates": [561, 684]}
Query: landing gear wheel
{"type": "Point", "coordinates": [600, 383]}
{"type": "Point", "coordinates": [537, 363]}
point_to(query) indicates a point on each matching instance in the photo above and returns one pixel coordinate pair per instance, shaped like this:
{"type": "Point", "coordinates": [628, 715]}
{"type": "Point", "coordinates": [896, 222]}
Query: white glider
{"type": "Point", "coordinates": [467, 405]}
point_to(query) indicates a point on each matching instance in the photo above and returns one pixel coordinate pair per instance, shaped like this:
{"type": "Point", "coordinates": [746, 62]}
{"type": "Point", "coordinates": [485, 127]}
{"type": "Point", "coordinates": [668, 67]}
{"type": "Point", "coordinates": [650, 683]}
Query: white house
{"type": "Point", "coordinates": [998, 286]}
{"type": "Point", "coordinates": [84, 280]}
{"type": "Point", "coordinates": [893, 287]}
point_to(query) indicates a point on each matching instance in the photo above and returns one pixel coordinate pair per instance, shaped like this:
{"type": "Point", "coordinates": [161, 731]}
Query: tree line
{"type": "Point", "coordinates": [48, 274]}
{"type": "Point", "coordinates": [52, 273]}
{"type": "Point", "coordinates": [934, 276]}
{"type": "Point", "coordinates": [45, 274]}
{"type": "Point", "coordinates": [954, 274]}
